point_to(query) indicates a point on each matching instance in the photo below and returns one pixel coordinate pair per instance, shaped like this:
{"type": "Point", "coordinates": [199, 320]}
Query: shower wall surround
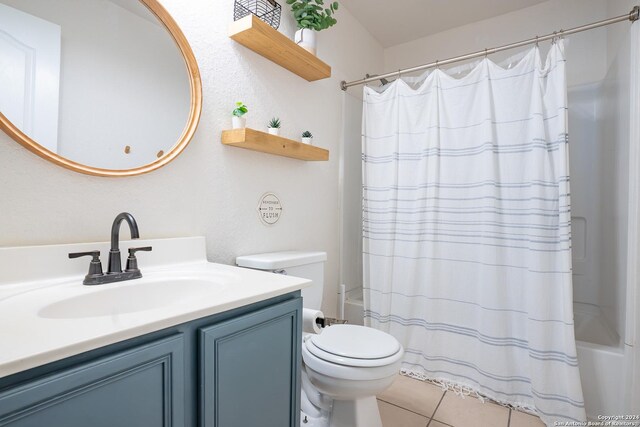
{"type": "Point", "coordinates": [210, 189]}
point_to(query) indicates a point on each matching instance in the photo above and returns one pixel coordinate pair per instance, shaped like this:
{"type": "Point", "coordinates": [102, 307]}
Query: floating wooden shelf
{"type": "Point", "coordinates": [252, 139]}
{"type": "Point", "coordinates": [260, 37]}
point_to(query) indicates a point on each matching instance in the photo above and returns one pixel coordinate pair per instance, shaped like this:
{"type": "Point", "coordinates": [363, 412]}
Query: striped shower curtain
{"type": "Point", "coordinates": [467, 245]}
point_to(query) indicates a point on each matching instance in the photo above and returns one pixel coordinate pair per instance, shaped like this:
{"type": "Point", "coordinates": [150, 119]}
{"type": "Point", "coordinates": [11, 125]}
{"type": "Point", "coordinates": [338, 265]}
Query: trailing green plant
{"type": "Point", "coordinates": [240, 109]}
{"type": "Point", "coordinates": [307, 134]}
{"type": "Point", "coordinates": [312, 14]}
{"type": "Point", "coordinates": [274, 123]}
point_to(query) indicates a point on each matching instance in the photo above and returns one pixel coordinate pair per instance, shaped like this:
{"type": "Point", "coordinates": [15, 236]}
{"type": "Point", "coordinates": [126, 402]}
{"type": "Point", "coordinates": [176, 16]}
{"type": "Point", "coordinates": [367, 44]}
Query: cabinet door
{"type": "Point", "coordinates": [141, 387]}
{"type": "Point", "coordinates": [250, 369]}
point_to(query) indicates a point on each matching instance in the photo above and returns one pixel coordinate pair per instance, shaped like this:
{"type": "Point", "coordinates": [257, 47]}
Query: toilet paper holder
{"type": "Point", "coordinates": [328, 321]}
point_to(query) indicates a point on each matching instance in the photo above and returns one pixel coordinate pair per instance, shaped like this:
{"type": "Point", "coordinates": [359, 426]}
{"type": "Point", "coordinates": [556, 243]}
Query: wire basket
{"type": "Point", "coordinates": [266, 10]}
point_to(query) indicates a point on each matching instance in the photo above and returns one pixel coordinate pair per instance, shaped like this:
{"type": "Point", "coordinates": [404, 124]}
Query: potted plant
{"type": "Point", "coordinates": [274, 126]}
{"type": "Point", "coordinates": [238, 119]}
{"type": "Point", "coordinates": [307, 138]}
{"type": "Point", "coordinates": [311, 16]}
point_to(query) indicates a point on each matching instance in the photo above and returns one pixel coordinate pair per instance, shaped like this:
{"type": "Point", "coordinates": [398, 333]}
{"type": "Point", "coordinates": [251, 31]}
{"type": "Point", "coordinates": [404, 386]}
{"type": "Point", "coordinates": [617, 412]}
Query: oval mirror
{"type": "Point", "coordinates": [102, 87]}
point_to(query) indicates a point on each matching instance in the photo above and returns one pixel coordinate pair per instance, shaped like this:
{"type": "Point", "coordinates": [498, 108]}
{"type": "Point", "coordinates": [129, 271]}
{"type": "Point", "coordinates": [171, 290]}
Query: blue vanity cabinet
{"type": "Point", "coordinates": [249, 369]}
{"type": "Point", "coordinates": [142, 387]}
{"type": "Point", "coordinates": [238, 368]}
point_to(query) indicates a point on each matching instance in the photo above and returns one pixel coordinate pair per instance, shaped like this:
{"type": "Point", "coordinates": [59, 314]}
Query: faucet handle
{"type": "Point", "coordinates": [132, 261]}
{"type": "Point", "coordinates": [132, 251]}
{"type": "Point", "coordinates": [94, 254]}
{"type": "Point", "coordinates": [95, 266]}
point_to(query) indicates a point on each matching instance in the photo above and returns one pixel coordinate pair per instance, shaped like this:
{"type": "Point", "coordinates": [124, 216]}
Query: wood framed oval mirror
{"type": "Point", "coordinates": [102, 87]}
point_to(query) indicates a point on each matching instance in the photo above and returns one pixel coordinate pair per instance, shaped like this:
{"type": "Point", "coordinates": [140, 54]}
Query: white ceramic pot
{"type": "Point", "coordinates": [274, 131]}
{"type": "Point", "coordinates": [308, 140]}
{"type": "Point", "coordinates": [306, 39]}
{"type": "Point", "coordinates": [239, 122]}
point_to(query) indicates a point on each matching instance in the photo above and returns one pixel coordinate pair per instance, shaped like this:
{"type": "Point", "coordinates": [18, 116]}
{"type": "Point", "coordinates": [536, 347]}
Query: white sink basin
{"type": "Point", "coordinates": [136, 296]}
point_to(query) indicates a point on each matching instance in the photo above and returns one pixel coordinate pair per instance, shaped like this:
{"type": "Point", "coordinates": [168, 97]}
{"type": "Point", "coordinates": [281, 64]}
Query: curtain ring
{"type": "Point", "coordinates": [486, 54]}
{"type": "Point", "coordinates": [437, 65]}
{"type": "Point", "coordinates": [554, 38]}
{"type": "Point", "coordinates": [537, 45]}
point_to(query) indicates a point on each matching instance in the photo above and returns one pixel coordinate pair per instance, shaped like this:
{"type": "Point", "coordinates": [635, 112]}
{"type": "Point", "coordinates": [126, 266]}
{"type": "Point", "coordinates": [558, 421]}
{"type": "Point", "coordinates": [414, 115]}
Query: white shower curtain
{"type": "Point", "coordinates": [467, 245]}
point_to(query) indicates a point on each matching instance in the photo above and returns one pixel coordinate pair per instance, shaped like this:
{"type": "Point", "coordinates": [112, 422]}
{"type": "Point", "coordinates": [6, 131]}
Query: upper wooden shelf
{"type": "Point", "coordinates": [260, 37]}
{"type": "Point", "coordinates": [261, 141]}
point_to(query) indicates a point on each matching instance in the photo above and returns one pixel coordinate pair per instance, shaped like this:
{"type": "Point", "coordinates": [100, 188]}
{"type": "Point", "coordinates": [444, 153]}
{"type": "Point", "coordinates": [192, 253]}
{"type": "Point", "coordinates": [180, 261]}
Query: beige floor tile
{"type": "Point", "coordinates": [520, 419]}
{"type": "Point", "coordinates": [414, 395]}
{"type": "Point", "coordinates": [435, 423]}
{"type": "Point", "coordinates": [393, 416]}
{"type": "Point", "coordinates": [469, 411]}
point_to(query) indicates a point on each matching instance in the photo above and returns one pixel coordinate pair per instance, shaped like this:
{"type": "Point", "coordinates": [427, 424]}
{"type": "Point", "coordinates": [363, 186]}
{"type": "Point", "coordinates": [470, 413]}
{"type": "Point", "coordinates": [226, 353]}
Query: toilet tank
{"type": "Point", "coordinates": [308, 265]}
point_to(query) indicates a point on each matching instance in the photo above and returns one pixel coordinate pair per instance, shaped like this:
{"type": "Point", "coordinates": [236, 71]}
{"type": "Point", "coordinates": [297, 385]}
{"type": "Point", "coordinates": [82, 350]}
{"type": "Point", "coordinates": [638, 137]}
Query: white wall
{"type": "Point", "coordinates": [351, 189]}
{"type": "Point", "coordinates": [211, 189]}
{"type": "Point", "coordinates": [587, 51]}
{"type": "Point", "coordinates": [617, 34]}
{"type": "Point", "coordinates": [619, 38]}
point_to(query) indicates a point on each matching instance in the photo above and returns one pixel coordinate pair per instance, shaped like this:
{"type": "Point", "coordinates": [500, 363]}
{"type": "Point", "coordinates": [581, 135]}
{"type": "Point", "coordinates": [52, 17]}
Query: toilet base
{"type": "Point", "coordinates": [347, 413]}
{"type": "Point", "coordinates": [356, 413]}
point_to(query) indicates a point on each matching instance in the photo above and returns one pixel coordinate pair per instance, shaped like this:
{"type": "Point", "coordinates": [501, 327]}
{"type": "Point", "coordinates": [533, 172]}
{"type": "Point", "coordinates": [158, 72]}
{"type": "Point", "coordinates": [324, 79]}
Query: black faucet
{"type": "Point", "coordinates": [115, 263]}
{"type": "Point", "coordinates": [114, 272]}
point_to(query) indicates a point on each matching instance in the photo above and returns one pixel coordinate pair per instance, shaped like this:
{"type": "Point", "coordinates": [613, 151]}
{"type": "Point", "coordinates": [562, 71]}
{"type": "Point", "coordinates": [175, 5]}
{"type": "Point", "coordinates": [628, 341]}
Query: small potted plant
{"type": "Point", "coordinates": [238, 119]}
{"type": "Point", "coordinates": [312, 16]}
{"type": "Point", "coordinates": [307, 138]}
{"type": "Point", "coordinates": [274, 126]}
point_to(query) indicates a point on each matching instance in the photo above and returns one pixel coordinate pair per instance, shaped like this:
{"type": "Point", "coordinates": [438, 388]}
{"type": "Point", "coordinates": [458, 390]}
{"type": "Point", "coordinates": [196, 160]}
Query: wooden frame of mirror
{"type": "Point", "coordinates": [195, 109]}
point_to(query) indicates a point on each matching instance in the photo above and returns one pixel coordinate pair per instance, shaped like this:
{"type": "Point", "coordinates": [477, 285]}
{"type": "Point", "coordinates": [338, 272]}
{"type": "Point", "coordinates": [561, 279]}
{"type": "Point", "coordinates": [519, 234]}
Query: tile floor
{"type": "Point", "coordinates": [414, 403]}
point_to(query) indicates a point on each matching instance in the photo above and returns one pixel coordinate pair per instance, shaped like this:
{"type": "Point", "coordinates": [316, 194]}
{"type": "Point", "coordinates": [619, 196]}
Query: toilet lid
{"type": "Point", "coordinates": [355, 342]}
{"type": "Point", "coordinates": [334, 359]}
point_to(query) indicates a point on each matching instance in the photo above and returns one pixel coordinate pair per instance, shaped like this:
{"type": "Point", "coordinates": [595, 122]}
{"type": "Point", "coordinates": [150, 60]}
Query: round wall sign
{"type": "Point", "coordinates": [269, 209]}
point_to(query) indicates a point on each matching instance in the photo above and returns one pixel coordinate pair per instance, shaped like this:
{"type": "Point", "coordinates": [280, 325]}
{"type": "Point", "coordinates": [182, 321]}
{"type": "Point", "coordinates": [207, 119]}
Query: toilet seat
{"type": "Point", "coordinates": [347, 361]}
{"type": "Point", "coordinates": [350, 372]}
{"type": "Point", "coordinates": [353, 345]}
{"type": "Point", "coordinates": [355, 342]}
{"type": "Point", "coordinates": [352, 352]}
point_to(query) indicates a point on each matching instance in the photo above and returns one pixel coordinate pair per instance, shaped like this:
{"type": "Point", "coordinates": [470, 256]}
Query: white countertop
{"type": "Point", "coordinates": [44, 319]}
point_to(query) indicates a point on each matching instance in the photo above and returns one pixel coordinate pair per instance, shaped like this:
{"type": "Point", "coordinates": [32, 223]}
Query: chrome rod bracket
{"type": "Point", "coordinates": [382, 80]}
{"type": "Point", "coordinates": [634, 15]}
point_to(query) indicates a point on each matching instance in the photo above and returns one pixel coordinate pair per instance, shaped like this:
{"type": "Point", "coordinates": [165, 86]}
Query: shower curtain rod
{"type": "Point", "coordinates": [631, 16]}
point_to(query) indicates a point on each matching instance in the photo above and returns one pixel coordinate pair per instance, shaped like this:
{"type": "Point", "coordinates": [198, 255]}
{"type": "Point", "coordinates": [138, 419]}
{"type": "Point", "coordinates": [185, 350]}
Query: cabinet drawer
{"type": "Point", "coordinates": [141, 387]}
{"type": "Point", "coordinates": [249, 369]}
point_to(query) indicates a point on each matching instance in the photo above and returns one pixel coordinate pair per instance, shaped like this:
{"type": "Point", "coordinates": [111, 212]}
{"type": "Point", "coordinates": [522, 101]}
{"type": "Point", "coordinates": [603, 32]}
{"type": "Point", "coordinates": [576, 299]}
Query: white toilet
{"type": "Point", "coordinates": [344, 366]}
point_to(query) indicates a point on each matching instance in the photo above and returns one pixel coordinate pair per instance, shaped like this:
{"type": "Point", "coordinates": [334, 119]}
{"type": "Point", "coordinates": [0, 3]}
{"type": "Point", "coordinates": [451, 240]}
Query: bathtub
{"type": "Point", "coordinates": [601, 362]}
{"type": "Point", "coordinates": [354, 307]}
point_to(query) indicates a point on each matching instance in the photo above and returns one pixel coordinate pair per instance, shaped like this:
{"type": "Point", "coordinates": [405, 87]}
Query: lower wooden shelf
{"type": "Point", "coordinates": [256, 140]}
